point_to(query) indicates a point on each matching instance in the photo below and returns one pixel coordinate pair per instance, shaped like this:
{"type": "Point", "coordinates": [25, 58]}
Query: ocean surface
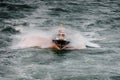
{"type": "Point", "coordinates": [25, 24]}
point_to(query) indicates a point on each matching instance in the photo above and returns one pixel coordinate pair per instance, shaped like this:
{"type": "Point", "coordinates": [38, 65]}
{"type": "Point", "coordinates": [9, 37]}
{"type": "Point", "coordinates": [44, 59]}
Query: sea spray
{"type": "Point", "coordinates": [32, 38]}
{"type": "Point", "coordinates": [42, 38]}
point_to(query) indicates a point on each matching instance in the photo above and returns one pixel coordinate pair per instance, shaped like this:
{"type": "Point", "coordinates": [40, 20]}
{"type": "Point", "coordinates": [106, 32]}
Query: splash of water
{"type": "Point", "coordinates": [42, 38]}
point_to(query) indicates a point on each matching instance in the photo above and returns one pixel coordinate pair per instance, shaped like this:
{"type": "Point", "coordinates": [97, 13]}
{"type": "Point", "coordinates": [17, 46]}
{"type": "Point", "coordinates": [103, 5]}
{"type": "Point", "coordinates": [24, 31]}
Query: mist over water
{"type": "Point", "coordinates": [26, 55]}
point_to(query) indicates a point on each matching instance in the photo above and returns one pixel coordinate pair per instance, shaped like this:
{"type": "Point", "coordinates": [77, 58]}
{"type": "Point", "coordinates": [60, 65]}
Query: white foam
{"type": "Point", "coordinates": [42, 38]}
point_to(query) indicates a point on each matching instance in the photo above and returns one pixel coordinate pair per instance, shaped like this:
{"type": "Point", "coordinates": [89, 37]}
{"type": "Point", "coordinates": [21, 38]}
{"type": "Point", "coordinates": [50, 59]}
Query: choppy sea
{"type": "Point", "coordinates": [25, 24]}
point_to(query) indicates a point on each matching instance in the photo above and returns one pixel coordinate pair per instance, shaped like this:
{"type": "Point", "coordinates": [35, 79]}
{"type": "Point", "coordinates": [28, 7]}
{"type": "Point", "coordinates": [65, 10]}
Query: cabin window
{"type": "Point", "coordinates": [63, 35]}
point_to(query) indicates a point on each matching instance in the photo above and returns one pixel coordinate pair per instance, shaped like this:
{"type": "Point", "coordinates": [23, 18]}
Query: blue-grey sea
{"type": "Point", "coordinates": [98, 21]}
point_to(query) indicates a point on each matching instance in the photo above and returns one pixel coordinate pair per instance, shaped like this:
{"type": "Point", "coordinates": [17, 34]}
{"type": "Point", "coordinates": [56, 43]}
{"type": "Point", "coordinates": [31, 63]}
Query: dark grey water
{"type": "Point", "coordinates": [98, 20]}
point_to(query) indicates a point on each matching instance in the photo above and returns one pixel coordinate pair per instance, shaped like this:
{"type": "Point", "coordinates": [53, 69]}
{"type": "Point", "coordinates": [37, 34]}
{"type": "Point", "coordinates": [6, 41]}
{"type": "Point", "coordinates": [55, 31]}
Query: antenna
{"type": "Point", "coordinates": [61, 27]}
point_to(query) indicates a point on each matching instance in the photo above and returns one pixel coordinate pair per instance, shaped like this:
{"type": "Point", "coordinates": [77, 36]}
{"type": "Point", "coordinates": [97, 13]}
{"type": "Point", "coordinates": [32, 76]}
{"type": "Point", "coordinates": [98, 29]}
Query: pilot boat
{"type": "Point", "coordinates": [60, 42]}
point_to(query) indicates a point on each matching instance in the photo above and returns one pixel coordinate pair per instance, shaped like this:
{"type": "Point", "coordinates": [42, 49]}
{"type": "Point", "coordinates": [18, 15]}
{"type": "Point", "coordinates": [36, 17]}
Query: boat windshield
{"type": "Point", "coordinates": [63, 35]}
